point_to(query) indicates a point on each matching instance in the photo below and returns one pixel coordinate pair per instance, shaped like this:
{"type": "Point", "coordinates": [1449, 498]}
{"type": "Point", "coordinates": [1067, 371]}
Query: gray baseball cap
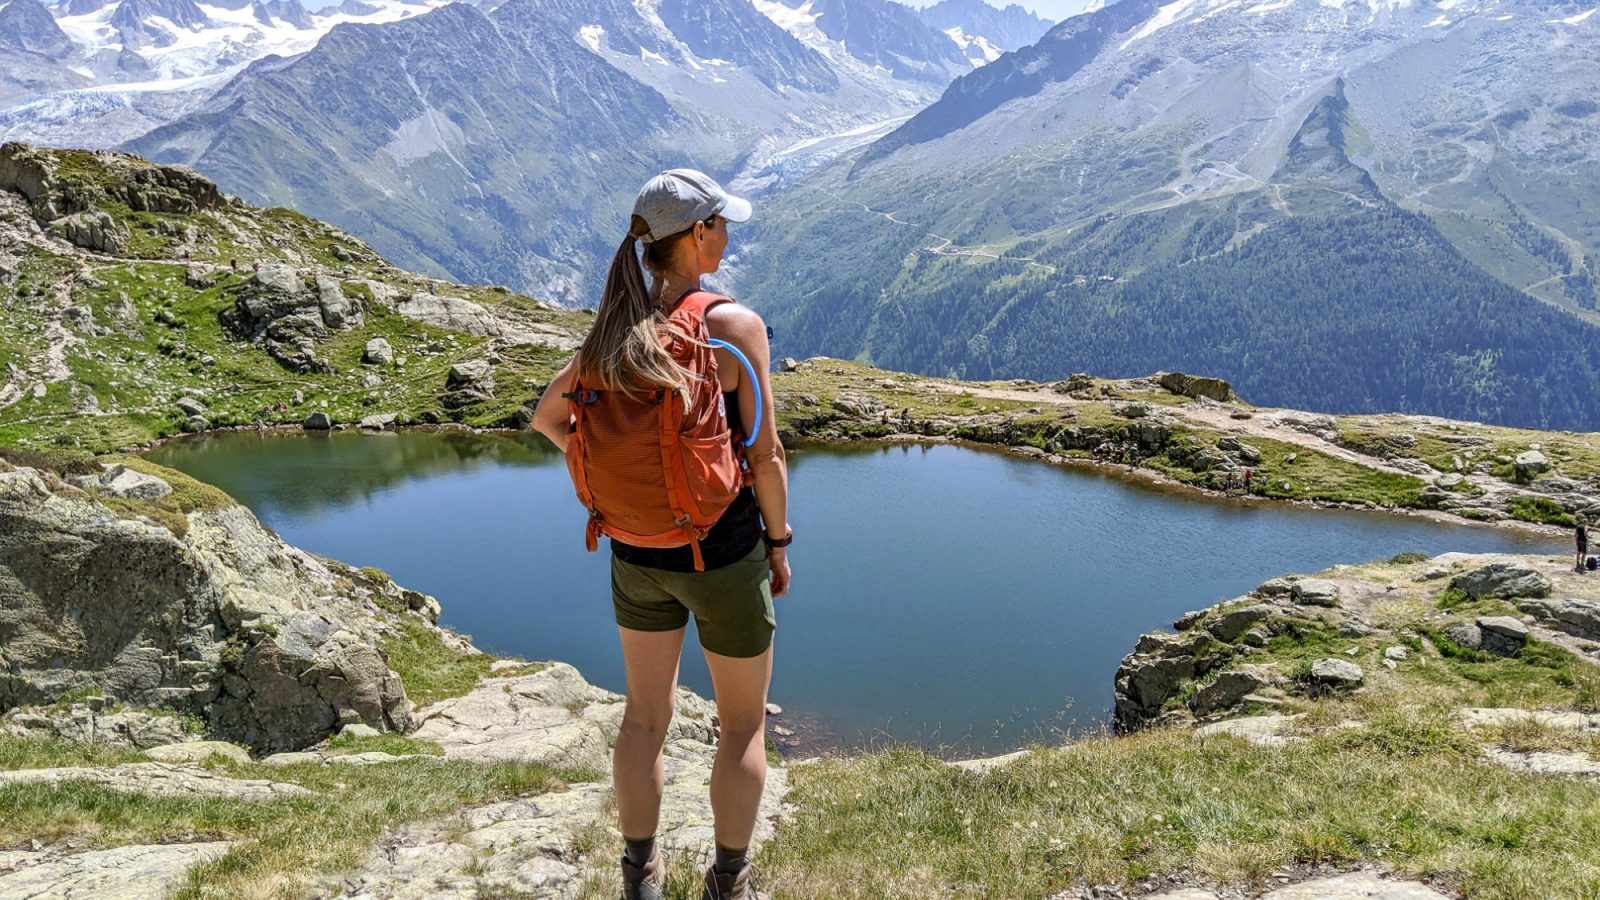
{"type": "Point", "coordinates": [676, 199]}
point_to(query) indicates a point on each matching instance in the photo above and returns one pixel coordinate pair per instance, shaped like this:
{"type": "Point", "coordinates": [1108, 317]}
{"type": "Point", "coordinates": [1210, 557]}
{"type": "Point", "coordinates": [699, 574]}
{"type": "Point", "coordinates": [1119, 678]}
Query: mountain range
{"type": "Point", "coordinates": [1347, 205]}
{"type": "Point", "coordinates": [505, 145]}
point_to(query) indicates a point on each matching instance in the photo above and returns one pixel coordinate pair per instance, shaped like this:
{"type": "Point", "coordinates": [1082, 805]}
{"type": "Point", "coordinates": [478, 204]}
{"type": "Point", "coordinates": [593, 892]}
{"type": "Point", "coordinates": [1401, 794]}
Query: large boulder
{"type": "Point", "coordinates": [1231, 624]}
{"type": "Point", "coordinates": [1196, 386]}
{"type": "Point", "coordinates": [468, 383]}
{"type": "Point", "coordinates": [1530, 464]}
{"type": "Point", "coordinates": [379, 352]}
{"type": "Point", "coordinates": [1580, 618]}
{"type": "Point", "coordinates": [1336, 673]}
{"type": "Point", "coordinates": [97, 231]}
{"type": "Point", "coordinates": [119, 481]}
{"type": "Point", "coordinates": [338, 311]}
{"type": "Point", "coordinates": [1226, 691]}
{"type": "Point", "coordinates": [452, 313]}
{"type": "Point", "coordinates": [1503, 580]}
{"type": "Point", "coordinates": [1315, 592]}
{"type": "Point", "coordinates": [1502, 635]}
{"type": "Point", "coordinates": [276, 310]}
{"type": "Point", "coordinates": [269, 646]}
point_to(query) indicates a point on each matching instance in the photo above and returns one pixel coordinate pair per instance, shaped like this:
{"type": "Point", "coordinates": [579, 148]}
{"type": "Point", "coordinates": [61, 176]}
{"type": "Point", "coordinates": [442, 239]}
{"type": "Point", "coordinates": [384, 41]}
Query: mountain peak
{"type": "Point", "coordinates": [27, 26]}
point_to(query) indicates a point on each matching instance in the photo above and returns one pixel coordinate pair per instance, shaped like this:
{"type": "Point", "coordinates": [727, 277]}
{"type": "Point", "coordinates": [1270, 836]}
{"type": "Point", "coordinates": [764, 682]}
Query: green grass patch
{"type": "Point", "coordinates": [1117, 811]}
{"type": "Point", "coordinates": [46, 753]}
{"type": "Point", "coordinates": [428, 668]}
{"type": "Point", "coordinates": [284, 845]}
{"type": "Point", "coordinates": [388, 742]}
{"type": "Point", "coordinates": [1541, 510]}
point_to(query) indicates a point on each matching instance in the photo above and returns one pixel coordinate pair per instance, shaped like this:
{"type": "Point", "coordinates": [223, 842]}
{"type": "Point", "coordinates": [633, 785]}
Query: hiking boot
{"type": "Point", "coordinates": [642, 882]}
{"type": "Point", "coordinates": [722, 886]}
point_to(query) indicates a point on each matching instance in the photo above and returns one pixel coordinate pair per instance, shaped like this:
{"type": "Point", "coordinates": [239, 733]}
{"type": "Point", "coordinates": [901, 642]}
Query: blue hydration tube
{"type": "Point", "coordinates": [756, 382]}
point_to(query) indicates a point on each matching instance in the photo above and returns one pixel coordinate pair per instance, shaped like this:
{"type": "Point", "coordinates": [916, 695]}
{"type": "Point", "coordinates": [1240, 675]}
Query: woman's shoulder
{"type": "Point", "coordinates": [735, 320]}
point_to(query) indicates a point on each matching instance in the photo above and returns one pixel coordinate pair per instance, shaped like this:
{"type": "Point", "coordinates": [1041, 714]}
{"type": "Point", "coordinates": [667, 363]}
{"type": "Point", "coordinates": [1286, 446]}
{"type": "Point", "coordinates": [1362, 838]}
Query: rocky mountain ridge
{"type": "Point", "coordinates": [1120, 196]}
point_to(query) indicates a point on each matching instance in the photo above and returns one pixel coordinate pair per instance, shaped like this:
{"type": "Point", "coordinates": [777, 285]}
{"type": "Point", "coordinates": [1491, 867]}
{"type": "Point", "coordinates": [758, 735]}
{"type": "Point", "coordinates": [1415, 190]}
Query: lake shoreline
{"type": "Point", "coordinates": [1132, 472]}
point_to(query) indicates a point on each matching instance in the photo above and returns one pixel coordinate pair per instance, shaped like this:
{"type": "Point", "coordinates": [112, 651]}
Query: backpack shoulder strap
{"type": "Point", "coordinates": [698, 303]}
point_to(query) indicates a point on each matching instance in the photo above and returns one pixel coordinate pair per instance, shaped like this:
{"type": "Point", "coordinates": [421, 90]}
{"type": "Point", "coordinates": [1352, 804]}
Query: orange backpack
{"type": "Point", "coordinates": [651, 474]}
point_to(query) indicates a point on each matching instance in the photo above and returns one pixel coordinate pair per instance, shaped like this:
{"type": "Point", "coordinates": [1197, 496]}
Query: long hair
{"type": "Point", "coordinates": [624, 350]}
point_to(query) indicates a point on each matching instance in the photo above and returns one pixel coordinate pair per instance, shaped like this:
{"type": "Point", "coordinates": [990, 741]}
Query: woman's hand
{"type": "Point", "coordinates": [778, 562]}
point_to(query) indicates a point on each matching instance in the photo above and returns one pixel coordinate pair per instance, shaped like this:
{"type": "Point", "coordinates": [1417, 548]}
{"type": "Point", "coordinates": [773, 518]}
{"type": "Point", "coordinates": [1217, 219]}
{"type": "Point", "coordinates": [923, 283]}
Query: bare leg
{"type": "Point", "coordinates": [651, 658]}
{"type": "Point", "coordinates": [741, 767]}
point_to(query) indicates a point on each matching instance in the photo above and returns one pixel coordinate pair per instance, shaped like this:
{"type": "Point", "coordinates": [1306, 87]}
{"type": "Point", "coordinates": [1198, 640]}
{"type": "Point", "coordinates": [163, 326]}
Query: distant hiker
{"type": "Point", "coordinates": [1249, 479]}
{"type": "Point", "coordinates": [432, 289]}
{"type": "Point", "coordinates": [233, 266]}
{"type": "Point", "coordinates": [1581, 535]}
{"type": "Point", "coordinates": [705, 535]}
{"type": "Point", "coordinates": [255, 266]}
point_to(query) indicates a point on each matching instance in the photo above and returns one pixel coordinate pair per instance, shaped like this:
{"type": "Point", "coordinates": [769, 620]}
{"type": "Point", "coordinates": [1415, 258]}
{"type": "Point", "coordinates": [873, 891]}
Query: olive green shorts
{"type": "Point", "coordinates": [732, 606]}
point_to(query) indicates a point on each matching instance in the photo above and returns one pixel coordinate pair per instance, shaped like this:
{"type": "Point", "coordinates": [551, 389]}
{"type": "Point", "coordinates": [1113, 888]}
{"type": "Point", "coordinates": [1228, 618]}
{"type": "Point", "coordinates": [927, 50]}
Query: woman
{"type": "Point", "coordinates": [682, 218]}
{"type": "Point", "coordinates": [1581, 534]}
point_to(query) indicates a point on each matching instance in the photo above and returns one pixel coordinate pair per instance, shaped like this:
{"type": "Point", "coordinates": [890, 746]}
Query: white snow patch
{"type": "Point", "coordinates": [427, 134]}
{"type": "Point", "coordinates": [989, 52]}
{"type": "Point", "coordinates": [1441, 22]}
{"type": "Point", "coordinates": [1578, 19]}
{"type": "Point", "coordinates": [591, 36]}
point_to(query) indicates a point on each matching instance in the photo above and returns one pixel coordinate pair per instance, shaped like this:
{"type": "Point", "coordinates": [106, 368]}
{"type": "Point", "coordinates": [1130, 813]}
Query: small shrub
{"type": "Point", "coordinates": [1407, 558]}
{"type": "Point", "coordinates": [1542, 511]}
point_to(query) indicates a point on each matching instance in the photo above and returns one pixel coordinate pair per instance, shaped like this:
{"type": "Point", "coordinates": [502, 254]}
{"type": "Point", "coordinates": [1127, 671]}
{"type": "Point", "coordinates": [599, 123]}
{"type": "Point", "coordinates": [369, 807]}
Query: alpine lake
{"type": "Point", "coordinates": [965, 601]}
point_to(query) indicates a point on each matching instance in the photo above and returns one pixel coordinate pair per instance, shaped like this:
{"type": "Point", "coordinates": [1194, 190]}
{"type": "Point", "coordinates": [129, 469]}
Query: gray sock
{"type": "Point", "coordinates": [640, 851]}
{"type": "Point", "coordinates": [729, 862]}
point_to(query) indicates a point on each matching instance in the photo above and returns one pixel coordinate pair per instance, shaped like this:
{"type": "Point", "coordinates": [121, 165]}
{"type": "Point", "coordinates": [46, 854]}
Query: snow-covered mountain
{"type": "Point", "coordinates": [1111, 188]}
{"type": "Point", "coordinates": [504, 142]}
{"type": "Point", "coordinates": [984, 31]}
{"type": "Point", "coordinates": [119, 68]}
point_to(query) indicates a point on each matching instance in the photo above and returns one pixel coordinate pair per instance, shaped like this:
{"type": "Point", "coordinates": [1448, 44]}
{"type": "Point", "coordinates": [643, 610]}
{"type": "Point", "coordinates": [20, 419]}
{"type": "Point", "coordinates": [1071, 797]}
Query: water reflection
{"type": "Point", "coordinates": [963, 600]}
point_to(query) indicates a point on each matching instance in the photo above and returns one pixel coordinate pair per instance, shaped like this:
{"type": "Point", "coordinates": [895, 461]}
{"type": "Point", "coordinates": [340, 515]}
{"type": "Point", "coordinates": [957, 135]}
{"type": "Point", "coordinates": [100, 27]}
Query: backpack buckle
{"type": "Point", "coordinates": [584, 398]}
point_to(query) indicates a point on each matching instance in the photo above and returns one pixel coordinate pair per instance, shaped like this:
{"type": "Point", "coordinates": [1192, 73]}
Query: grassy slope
{"type": "Point", "coordinates": [1405, 788]}
{"type": "Point", "coordinates": [176, 341]}
{"type": "Point", "coordinates": [1287, 471]}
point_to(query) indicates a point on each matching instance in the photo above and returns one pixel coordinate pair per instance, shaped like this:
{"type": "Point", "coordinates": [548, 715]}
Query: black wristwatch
{"type": "Point", "coordinates": [775, 543]}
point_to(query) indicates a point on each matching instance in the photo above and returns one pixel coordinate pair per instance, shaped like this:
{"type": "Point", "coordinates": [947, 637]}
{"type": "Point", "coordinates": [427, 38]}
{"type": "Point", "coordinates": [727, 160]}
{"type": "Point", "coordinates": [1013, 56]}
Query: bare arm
{"type": "Point", "coordinates": [743, 328]}
{"type": "Point", "coordinates": [551, 418]}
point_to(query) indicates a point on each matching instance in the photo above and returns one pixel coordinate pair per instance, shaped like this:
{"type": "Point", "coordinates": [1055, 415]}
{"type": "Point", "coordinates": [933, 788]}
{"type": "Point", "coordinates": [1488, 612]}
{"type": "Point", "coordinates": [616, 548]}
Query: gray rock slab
{"type": "Point", "coordinates": [198, 751]}
{"type": "Point", "coordinates": [1337, 672]}
{"type": "Point", "coordinates": [1504, 580]}
{"type": "Point", "coordinates": [984, 765]}
{"type": "Point", "coordinates": [1267, 731]}
{"type": "Point", "coordinates": [1316, 592]}
{"type": "Point", "coordinates": [1568, 764]}
{"type": "Point", "coordinates": [1355, 886]}
{"type": "Point", "coordinates": [452, 313]}
{"type": "Point", "coordinates": [159, 779]}
{"type": "Point", "coordinates": [144, 872]}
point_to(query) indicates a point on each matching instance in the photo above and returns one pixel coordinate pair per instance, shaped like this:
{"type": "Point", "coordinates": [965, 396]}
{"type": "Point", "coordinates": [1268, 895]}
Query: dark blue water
{"type": "Point", "coordinates": [958, 599]}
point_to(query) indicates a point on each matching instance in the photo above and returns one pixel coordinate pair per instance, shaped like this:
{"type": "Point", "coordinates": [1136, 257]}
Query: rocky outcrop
{"type": "Point", "coordinates": [532, 846]}
{"type": "Point", "coordinates": [128, 180]}
{"type": "Point", "coordinates": [91, 723]}
{"type": "Point", "coordinates": [267, 645]}
{"type": "Point", "coordinates": [1579, 618]}
{"type": "Point", "coordinates": [159, 779]}
{"type": "Point", "coordinates": [468, 383]}
{"type": "Point", "coordinates": [452, 313]}
{"type": "Point", "coordinates": [277, 311]}
{"type": "Point", "coordinates": [1505, 580]}
{"type": "Point", "coordinates": [95, 231]}
{"type": "Point", "coordinates": [1196, 386]}
{"type": "Point", "coordinates": [138, 872]}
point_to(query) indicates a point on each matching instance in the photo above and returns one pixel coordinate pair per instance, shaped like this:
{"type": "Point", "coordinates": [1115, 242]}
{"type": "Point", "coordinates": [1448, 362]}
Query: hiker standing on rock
{"type": "Point", "coordinates": [1581, 535]}
{"type": "Point", "coordinates": [666, 418]}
